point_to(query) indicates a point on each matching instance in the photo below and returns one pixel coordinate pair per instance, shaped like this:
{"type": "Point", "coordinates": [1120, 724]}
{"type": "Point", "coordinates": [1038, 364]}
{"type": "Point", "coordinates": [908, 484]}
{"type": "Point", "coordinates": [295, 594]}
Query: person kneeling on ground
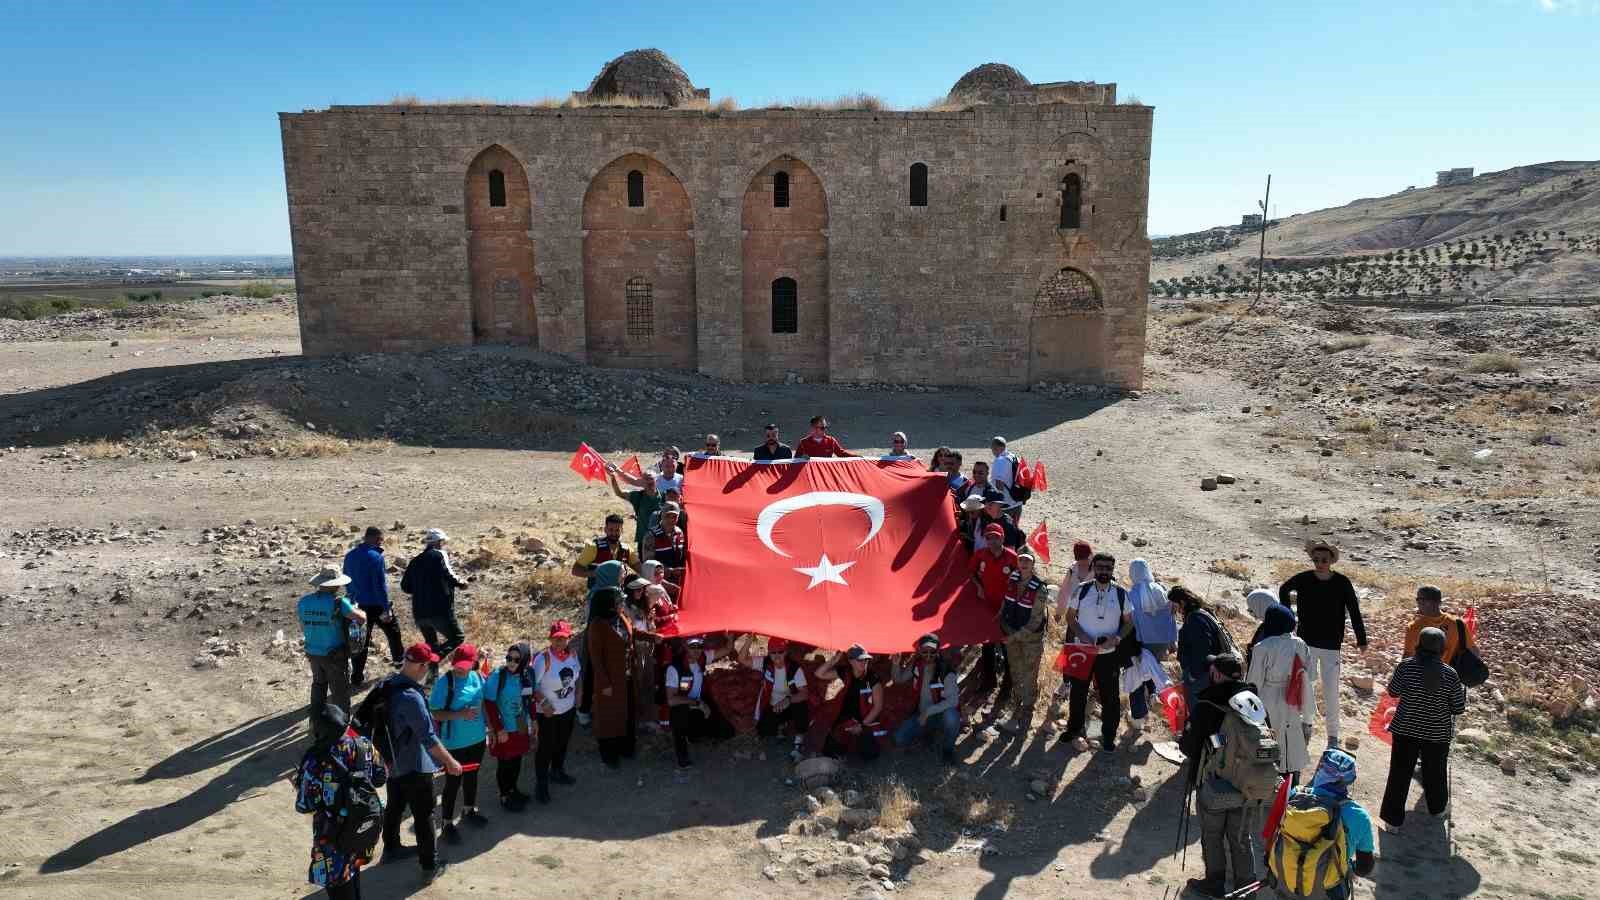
{"type": "Point", "coordinates": [457, 704]}
{"type": "Point", "coordinates": [692, 717]}
{"type": "Point", "coordinates": [1224, 815]}
{"type": "Point", "coordinates": [858, 726]}
{"type": "Point", "coordinates": [783, 699]}
{"type": "Point", "coordinates": [510, 726]}
{"type": "Point", "coordinates": [934, 680]}
{"type": "Point", "coordinates": [1304, 850]}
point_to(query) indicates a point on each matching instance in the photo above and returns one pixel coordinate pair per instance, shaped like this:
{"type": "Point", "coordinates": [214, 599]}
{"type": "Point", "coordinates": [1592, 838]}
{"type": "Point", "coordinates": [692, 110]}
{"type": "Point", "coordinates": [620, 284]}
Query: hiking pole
{"type": "Point", "coordinates": [1248, 890]}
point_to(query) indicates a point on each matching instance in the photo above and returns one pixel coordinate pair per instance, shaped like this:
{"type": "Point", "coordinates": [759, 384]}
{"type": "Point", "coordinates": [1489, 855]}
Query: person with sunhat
{"type": "Point", "coordinates": [938, 700]}
{"type": "Point", "coordinates": [556, 674]}
{"type": "Point", "coordinates": [325, 615]}
{"type": "Point", "coordinates": [432, 584]}
{"type": "Point", "coordinates": [1322, 599]}
{"type": "Point", "coordinates": [457, 705]}
{"type": "Point", "coordinates": [859, 725]}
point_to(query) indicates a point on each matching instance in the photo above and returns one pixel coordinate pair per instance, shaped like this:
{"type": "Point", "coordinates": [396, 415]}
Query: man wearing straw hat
{"type": "Point", "coordinates": [324, 615]}
{"type": "Point", "coordinates": [1321, 599]}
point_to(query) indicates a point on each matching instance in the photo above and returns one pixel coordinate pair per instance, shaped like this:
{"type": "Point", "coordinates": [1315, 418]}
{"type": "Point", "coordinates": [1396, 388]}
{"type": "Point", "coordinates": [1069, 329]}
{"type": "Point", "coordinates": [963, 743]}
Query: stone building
{"type": "Point", "coordinates": [997, 238]}
{"type": "Point", "coordinates": [1444, 177]}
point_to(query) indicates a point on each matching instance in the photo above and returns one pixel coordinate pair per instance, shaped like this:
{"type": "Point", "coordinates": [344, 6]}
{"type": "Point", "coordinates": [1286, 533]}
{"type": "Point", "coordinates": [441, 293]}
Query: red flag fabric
{"type": "Point", "coordinates": [1024, 473]}
{"type": "Point", "coordinates": [1041, 482]}
{"type": "Point", "coordinates": [1076, 661]}
{"type": "Point", "coordinates": [1471, 621]}
{"type": "Point", "coordinates": [1039, 540]}
{"type": "Point", "coordinates": [589, 465]}
{"type": "Point", "coordinates": [632, 466]}
{"type": "Point", "coordinates": [828, 551]}
{"type": "Point", "coordinates": [1269, 830]}
{"type": "Point", "coordinates": [1176, 707]}
{"type": "Point", "coordinates": [1382, 715]}
{"type": "Point", "coordinates": [1294, 692]}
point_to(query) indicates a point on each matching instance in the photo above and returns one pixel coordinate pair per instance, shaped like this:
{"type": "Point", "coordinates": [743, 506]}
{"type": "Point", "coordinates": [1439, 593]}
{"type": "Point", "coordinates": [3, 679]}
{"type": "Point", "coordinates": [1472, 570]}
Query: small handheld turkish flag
{"type": "Point", "coordinates": [1039, 540]}
{"type": "Point", "coordinates": [632, 466]}
{"type": "Point", "coordinates": [1024, 474]}
{"type": "Point", "coordinates": [1471, 621]}
{"type": "Point", "coordinates": [1040, 482]}
{"type": "Point", "coordinates": [1382, 715]}
{"type": "Point", "coordinates": [1076, 661]}
{"type": "Point", "coordinates": [588, 464]}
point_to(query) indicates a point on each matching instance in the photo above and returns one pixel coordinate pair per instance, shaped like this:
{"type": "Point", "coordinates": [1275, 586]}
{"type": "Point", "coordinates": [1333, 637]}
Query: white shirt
{"type": "Point", "coordinates": [694, 676]}
{"type": "Point", "coordinates": [1002, 474]}
{"type": "Point", "coordinates": [664, 484]}
{"type": "Point", "coordinates": [556, 681]}
{"type": "Point", "coordinates": [780, 683]}
{"type": "Point", "coordinates": [1099, 611]}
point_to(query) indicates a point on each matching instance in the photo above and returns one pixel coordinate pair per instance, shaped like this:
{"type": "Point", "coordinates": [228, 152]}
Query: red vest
{"type": "Point", "coordinates": [791, 670]}
{"type": "Point", "coordinates": [605, 551]}
{"type": "Point", "coordinates": [667, 547]}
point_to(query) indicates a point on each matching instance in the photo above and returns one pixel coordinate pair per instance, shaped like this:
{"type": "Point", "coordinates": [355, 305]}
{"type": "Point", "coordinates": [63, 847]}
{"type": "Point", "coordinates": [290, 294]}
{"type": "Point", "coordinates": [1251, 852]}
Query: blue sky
{"type": "Point", "coordinates": [151, 127]}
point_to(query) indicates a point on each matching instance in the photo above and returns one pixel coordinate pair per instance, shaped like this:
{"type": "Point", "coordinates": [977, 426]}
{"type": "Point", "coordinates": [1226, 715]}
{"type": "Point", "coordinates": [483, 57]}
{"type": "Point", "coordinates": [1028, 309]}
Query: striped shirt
{"type": "Point", "coordinates": [1422, 714]}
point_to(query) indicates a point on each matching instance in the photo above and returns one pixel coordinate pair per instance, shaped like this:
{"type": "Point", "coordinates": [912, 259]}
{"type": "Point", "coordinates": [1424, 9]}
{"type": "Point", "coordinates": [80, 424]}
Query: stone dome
{"type": "Point", "coordinates": [987, 80]}
{"type": "Point", "coordinates": [649, 76]}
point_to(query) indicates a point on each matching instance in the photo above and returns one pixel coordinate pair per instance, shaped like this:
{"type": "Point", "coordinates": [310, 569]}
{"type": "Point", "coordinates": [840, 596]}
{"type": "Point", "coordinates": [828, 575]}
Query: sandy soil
{"type": "Point", "coordinates": [129, 771]}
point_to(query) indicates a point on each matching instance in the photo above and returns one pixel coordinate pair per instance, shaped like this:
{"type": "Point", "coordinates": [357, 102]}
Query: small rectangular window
{"type": "Point", "coordinates": [785, 306]}
{"type": "Point", "coordinates": [919, 184]}
{"type": "Point", "coordinates": [1002, 212]}
{"type": "Point", "coordinates": [780, 189]}
{"type": "Point", "coordinates": [641, 312]}
{"type": "Point", "coordinates": [636, 188]}
{"type": "Point", "coordinates": [497, 188]}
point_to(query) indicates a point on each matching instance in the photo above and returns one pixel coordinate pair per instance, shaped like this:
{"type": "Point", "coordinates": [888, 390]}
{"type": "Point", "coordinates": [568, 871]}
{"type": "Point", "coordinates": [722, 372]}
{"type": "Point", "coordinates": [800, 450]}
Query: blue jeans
{"type": "Point", "coordinates": [947, 724]}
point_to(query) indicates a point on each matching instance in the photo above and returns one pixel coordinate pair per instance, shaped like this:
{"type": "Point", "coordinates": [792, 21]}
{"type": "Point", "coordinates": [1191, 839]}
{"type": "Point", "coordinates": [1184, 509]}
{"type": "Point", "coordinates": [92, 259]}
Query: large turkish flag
{"type": "Point", "coordinates": [830, 552]}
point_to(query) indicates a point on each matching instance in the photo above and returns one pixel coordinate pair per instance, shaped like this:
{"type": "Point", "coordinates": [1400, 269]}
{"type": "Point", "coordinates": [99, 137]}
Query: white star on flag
{"type": "Point", "coordinates": [826, 570]}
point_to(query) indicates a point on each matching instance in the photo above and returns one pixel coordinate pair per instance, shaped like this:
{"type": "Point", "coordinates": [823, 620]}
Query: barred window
{"type": "Point", "coordinates": [636, 188]}
{"type": "Point", "coordinates": [780, 189]}
{"type": "Point", "coordinates": [497, 188]}
{"type": "Point", "coordinates": [641, 310]}
{"type": "Point", "coordinates": [1071, 201]}
{"type": "Point", "coordinates": [785, 307]}
{"type": "Point", "coordinates": [919, 184]}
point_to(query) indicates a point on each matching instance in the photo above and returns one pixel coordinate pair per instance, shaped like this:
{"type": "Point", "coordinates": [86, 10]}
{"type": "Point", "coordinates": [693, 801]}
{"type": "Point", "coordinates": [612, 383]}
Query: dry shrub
{"type": "Point", "coordinates": [1360, 425]}
{"type": "Point", "coordinates": [405, 100]}
{"type": "Point", "coordinates": [1231, 568]}
{"type": "Point", "coordinates": [1187, 319]}
{"type": "Point", "coordinates": [322, 446]}
{"type": "Point", "coordinates": [1525, 401]}
{"type": "Point", "coordinates": [504, 620]}
{"type": "Point", "coordinates": [1402, 519]}
{"type": "Point", "coordinates": [969, 802]}
{"type": "Point", "coordinates": [896, 804]}
{"type": "Point", "coordinates": [100, 448]}
{"type": "Point", "coordinates": [858, 100]}
{"type": "Point", "coordinates": [1393, 587]}
{"type": "Point", "coordinates": [491, 551]}
{"type": "Point", "coordinates": [1351, 342]}
{"type": "Point", "coordinates": [552, 588]}
{"type": "Point", "coordinates": [1484, 363]}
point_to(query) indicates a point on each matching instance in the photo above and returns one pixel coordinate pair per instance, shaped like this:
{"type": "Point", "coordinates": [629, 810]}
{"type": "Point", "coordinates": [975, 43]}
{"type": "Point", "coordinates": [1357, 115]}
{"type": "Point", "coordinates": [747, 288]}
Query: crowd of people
{"type": "Point", "coordinates": [1247, 713]}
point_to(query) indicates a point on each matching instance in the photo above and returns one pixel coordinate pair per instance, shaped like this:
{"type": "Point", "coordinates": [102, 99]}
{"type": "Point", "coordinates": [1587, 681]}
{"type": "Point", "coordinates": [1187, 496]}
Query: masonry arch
{"type": "Point", "coordinates": [785, 262]}
{"type": "Point", "coordinates": [500, 256]}
{"type": "Point", "coordinates": [638, 243]}
{"type": "Point", "coordinates": [1067, 334]}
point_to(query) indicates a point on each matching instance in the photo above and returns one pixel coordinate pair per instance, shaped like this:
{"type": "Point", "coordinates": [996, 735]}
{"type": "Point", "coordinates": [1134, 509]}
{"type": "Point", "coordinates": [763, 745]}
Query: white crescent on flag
{"type": "Point", "coordinates": [769, 517]}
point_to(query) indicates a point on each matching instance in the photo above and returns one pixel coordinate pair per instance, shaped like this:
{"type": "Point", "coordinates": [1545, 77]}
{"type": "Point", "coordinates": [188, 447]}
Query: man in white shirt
{"type": "Point", "coordinates": [1003, 475]}
{"type": "Point", "coordinates": [783, 699]}
{"type": "Point", "coordinates": [1099, 614]}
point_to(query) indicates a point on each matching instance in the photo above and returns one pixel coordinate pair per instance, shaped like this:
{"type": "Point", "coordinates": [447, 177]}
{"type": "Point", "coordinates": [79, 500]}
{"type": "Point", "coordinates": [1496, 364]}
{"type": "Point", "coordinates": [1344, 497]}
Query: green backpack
{"type": "Point", "coordinates": [1247, 761]}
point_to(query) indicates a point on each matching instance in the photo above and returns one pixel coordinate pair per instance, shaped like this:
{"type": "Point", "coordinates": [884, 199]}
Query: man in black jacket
{"type": "Point", "coordinates": [1322, 598]}
{"type": "Point", "coordinates": [1224, 833]}
{"type": "Point", "coordinates": [432, 585]}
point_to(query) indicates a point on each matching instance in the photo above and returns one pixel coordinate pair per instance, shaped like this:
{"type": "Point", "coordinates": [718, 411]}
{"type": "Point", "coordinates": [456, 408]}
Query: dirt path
{"type": "Point", "coordinates": [129, 771]}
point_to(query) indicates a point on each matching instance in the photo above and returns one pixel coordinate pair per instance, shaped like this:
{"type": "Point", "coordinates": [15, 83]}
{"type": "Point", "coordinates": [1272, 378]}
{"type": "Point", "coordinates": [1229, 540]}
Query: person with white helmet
{"type": "Point", "coordinates": [1224, 832]}
{"type": "Point", "coordinates": [432, 584]}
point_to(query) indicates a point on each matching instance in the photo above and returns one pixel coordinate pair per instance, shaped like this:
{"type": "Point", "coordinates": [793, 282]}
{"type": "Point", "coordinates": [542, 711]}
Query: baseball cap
{"type": "Point", "coordinates": [421, 653]}
{"type": "Point", "coordinates": [670, 507]}
{"type": "Point", "coordinates": [696, 641]}
{"type": "Point", "coordinates": [997, 439]}
{"type": "Point", "coordinates": [777, 645]}
{"type": "Point", "coordinates": [929, 641]}
{"type": "Point", "coordinates": [562, 628]}
{"type": "Point", "coordinates": [464, 656]}
{"type": "Point", "coordinates": [857, 653]}
{"type": "Point", "coordinates": [994, 531]}
{"type": "Point", "coordinates": [637, 584]}
{"type": "Point", "coordinates": [434, 536]}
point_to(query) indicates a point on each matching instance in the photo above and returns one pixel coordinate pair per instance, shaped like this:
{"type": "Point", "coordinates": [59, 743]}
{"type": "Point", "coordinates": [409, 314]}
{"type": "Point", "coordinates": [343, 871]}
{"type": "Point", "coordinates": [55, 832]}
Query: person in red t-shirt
{"type": "Point", "coordinates": [819, 442]}
{"type": "Point", "coordinates": [992, 566]}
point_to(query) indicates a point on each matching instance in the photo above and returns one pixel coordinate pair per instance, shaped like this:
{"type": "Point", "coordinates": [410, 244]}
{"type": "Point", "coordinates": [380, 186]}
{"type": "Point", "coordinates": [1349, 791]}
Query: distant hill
{"type": "Point", "coordinates": [1531, 230]}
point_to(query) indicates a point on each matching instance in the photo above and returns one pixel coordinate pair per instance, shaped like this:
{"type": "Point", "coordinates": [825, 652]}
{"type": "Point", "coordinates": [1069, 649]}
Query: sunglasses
{"type": "Point", "coordinates": [513, 657]}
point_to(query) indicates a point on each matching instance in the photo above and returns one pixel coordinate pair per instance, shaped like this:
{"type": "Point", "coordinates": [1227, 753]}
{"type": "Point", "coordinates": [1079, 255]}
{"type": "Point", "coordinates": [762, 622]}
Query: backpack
{"type": "Point", "coordinates": [358, 819]}
{"type": "Point", "coordinates": [1021, 486]}
{"type": "Point", "coordinates": [1311, 852]}
{"type": "Point", "coordinates": [1247, 761]}
{"type": "Point", "coordinates": [371, 719]}
{"type": "Point", "coordinates": [1224, 642]}
{"type": "Point", "coordinates": [1468, 665]}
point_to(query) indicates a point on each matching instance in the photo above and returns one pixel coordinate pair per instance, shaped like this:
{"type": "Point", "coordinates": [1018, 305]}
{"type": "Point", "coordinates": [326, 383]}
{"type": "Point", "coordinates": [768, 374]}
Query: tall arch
{"type": "Point", "coordinates": [638, 230]}
{"type": "Point", "coordinates": [499, 249]}
{"type": "Point", "coordinates": [785, 260]}
{"type": "Point", "coordinates": [1067, 329]}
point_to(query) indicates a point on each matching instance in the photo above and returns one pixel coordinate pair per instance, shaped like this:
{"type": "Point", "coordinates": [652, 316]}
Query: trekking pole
{"type": "Point", "coordinates": [1248, 890]}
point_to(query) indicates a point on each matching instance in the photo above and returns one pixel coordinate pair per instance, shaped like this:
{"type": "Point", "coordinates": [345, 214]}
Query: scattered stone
{"type": "Point", "coordinates": [772, 872]}
{"type": "Point", "coordinates": [1508, 764]}
{"type": "Point", "coordinates": [1226, 478]}
{"type": "Point", "coordinates": [1039, 787]}
{"type": "Point", "coordinates": [858, 818]}
{"type": "Point", "coordinates": [1208, 484]}
{"type": "Point", "coordinates": [1352, 742]}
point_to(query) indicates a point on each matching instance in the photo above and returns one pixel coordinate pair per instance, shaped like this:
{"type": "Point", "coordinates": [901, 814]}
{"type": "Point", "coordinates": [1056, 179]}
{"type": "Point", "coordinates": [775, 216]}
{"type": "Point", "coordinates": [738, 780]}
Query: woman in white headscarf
{"type": "Point", "coordinates": [1155, 627]}
{"type": "Point", "coordinates": [1278, 664]}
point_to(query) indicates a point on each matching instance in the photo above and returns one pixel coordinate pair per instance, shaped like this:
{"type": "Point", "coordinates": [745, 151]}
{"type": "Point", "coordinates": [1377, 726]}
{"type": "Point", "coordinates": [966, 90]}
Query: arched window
{"type": "Point", "coordinates": [641, 311]}
{"type": "Point", "coordinates": [497, 188]}
{"type": "Point", "coordinates": [1071, 200]}
{"type": "Point", "coordinates": [636, 188]}
{"type": "Point", "coordinates": [780, 189]}
{"type": "Point", "coordinates": [785, 307]}
{"type": "Point", "coordinates": [1002, 212]}
{"type": "Point", "coordinates": [919, 184]}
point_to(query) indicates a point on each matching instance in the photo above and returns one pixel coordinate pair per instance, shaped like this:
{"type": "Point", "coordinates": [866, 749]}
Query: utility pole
{"type": "Point", "coordinates": [1261, 261]}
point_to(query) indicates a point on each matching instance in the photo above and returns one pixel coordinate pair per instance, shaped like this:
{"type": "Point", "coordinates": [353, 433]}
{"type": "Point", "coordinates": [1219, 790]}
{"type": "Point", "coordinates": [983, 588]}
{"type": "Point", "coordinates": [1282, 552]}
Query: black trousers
{"type": "Point", "coordinates": [432, 626]}
{"type": "Point", "coordinates": [867, 745]}
{"type": "Point", "coordinates": [506, 773]}
{"type": "Point", "coordinates": [1403, 757]}
{"type": "Point", "coordinates": [413, 792]}
{"type": "Point", "coordinates": [391, 631]}
{"type": "Point", "coordinates": [1107, 677]}
{"type": "Point", "coordinates": [555, 733]}
{"type": "Point", "coordinates": [345, 890]}
{"type": "Point", "coordinates": [797, 715]}
{"type": "Point", "coordinates": [466, 782]}
{"type": "Point", "coordinates": [690, 724]}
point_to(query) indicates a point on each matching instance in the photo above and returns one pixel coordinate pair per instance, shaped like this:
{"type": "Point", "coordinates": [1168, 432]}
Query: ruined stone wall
{"type": "Point", "coordinates": [942, 293]}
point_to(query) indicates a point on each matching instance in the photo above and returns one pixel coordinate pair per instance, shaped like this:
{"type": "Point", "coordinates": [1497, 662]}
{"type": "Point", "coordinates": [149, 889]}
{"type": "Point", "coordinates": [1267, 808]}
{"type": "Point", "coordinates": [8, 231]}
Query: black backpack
{"type": "Point", "coordinates": [358, 821]}
{"type": "Point", "coordinates": [371, 719]}
{"type": "Point", "coordinates": [1468, 665]}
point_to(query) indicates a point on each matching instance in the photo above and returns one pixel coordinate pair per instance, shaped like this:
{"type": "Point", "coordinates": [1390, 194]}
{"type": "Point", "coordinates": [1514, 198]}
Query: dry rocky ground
{"type": "Point", "coordinates": [167, 496]}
